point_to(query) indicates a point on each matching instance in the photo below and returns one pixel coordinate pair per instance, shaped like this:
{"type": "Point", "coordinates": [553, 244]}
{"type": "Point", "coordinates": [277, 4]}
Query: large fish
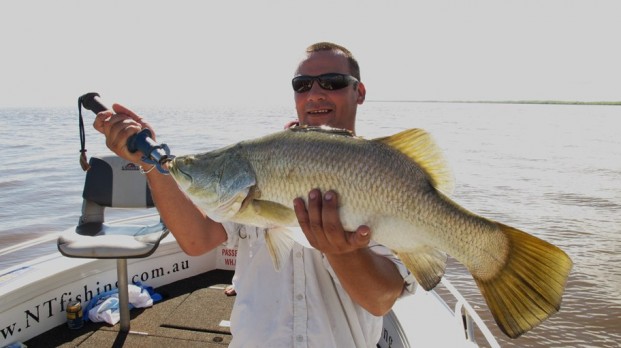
{"type": "Point", "coordinates": [397, 186]}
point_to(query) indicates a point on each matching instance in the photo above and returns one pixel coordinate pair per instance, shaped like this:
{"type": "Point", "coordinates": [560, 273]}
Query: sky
{"type": "Point", "coordinates": [176, 53]}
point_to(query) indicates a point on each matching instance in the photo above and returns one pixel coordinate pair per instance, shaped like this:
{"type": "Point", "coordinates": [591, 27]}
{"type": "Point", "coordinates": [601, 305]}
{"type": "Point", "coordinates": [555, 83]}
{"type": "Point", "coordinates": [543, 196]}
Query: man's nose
{"type": "Point", "coordinates": [316, 92]}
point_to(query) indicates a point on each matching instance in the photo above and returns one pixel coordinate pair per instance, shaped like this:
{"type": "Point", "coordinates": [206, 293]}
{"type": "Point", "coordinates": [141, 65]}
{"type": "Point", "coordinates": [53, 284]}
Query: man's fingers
{"type": "Point", "coordinates": [120, 109]}
{"type": "Point", "coordinates": [361, 237]}
{"type": "Point", "coordinates": [122, 130]}
{"type": "Point", "coordinates": [100, 120]}
{"type": "Point", "coordinates": [300, 212]}
{"type": "Point", "coordinates": [314, 211]}
{"type": "Point", "coordinates": [321, 223]}
{"type": "Point", "coordinates": [309, 218]}
{"type": "Point", "coordinates": [333, 227]}
{"type": "Point", "coordinates": [302, 215]}
{"type": "Point", "coordinates": [118, 127]}
{"type": "Point", "coordinates": [330, 216]}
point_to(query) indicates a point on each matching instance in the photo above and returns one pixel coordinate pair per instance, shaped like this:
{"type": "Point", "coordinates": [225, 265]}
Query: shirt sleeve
{"type": "Point", "coordinates": [409, 282]}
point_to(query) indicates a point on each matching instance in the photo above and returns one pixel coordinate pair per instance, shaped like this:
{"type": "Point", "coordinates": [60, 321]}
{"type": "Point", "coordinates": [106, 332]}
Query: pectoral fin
{"type": "Point", "coordinates": [278, 214]}
{"type": "Point", "coordinates": [265, 213]}
{"type": "Point", "coordinates": [279, 244]}
{"type": "Point", "coordinates": [426, 264]}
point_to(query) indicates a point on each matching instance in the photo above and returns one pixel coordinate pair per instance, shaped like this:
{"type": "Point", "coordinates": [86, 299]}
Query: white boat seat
{"type": "Point", "coordinates": [113, 182]}
{"type": "Point", "coordinates": [98, 240]}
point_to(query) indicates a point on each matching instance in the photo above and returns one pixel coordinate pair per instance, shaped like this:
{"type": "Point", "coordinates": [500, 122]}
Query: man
{"type": "Point", "coordinates": [330, 296]}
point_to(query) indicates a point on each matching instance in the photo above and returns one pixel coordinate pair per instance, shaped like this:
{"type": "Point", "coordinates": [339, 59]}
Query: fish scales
{"type": "Point", "coordinates": [290, 165]}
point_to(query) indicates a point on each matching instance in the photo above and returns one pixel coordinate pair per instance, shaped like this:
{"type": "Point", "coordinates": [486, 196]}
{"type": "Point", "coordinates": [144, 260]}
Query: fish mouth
{"type": "Point", "coordinates": [178, 173]}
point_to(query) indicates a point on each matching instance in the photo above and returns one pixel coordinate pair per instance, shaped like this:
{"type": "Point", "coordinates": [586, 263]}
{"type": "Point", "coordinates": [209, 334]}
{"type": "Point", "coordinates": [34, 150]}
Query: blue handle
{"type": "Point", "coordinates": [153, 153]}
{"type": "Point", "coordinates": [141, 141]}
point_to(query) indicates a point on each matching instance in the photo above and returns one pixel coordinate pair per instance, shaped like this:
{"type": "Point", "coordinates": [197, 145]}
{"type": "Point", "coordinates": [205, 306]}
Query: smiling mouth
{"type": "Point", "coordinates": [319, 112]}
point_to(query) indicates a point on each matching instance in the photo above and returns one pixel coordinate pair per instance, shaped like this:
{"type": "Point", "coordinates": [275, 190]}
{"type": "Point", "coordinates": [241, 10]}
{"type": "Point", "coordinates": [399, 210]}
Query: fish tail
{"type": "Point", "coordinates": [528, 289]}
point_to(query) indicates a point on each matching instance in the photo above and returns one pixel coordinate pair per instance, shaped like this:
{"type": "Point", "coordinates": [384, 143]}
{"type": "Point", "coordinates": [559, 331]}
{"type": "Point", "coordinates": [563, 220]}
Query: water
{"type": "Point", "coordinates": [551, 170]}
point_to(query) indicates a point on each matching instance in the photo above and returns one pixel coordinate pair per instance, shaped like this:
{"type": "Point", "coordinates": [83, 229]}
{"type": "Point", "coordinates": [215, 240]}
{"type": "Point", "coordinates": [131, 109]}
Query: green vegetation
{"type": "Point", "coordinates": [552, 102]}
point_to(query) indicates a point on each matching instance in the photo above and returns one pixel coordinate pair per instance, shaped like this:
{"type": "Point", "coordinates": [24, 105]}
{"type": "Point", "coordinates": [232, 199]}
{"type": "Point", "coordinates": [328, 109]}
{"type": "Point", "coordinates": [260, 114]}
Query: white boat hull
{"type": "Point", "coordinates": [34, 296]}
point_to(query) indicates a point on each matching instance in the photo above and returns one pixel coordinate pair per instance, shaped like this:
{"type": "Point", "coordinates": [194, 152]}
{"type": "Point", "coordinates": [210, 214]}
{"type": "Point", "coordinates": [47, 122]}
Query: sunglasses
{"type": "Point", "coordinates": [331, 82]}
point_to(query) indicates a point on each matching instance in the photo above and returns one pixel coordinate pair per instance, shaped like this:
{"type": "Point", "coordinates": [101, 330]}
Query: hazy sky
{"type": "Point", "coordinates": [212, 52]}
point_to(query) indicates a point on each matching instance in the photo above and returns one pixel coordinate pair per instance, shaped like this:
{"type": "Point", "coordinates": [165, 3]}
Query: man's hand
{"type": "Point", "coordinates": [371, 280]}
{"type": "Point", "coordinates": [322, 226]}
{"type": "Point", "coordinates": [118, 125]}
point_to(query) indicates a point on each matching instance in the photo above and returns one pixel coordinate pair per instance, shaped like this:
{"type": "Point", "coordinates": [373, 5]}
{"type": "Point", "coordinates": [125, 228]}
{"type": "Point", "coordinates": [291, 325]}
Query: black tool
{"type": "Point", "coordinates": [152, 152]}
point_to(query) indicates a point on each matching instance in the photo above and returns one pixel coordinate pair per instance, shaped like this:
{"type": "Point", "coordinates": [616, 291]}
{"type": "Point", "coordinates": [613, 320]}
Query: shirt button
{"type": "Point", "coordinates": [298, 254]}
{"type": "Point", "coordinates": [300, 338]}
{"type": "Point", "coordinates": [300, 297]}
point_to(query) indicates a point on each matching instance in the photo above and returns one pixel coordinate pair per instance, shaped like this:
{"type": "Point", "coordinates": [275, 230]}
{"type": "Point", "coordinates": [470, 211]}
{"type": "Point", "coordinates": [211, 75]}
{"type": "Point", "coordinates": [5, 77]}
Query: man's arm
{"type": "Point", "coordinates": [371, 280]}
{"type": "Point", "coordinates": [194, 231]}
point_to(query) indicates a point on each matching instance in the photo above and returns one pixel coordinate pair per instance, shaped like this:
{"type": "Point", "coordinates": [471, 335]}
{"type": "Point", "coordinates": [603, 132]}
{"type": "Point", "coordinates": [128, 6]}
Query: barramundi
{"type": "Point", "coordinates": [399, 186]}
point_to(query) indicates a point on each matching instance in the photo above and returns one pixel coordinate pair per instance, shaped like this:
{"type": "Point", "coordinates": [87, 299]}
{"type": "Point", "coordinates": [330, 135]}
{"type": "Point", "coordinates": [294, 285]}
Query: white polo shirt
{"type": "Point", "coordinates": [302, 305]}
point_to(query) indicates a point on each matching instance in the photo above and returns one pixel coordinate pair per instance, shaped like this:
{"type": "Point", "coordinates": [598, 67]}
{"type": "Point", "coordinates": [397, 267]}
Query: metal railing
{"type": "Point", "coordinates": [469, 318]}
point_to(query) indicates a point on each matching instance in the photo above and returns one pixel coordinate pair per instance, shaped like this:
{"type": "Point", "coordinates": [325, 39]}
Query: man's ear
{"type": "Point", "coordinates": [362, 92]}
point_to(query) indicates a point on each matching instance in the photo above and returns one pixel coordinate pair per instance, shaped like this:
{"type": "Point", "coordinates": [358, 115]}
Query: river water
{"type": "Point", "coordinates": [551, 170]}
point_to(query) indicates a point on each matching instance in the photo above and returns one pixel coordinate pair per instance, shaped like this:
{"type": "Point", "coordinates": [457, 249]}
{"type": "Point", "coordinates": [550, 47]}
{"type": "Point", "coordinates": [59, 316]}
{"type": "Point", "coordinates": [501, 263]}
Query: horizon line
{"type": "Point", "coordinates": [525, 101]}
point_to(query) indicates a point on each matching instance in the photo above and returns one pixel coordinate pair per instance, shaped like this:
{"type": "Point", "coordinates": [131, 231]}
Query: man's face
{"type": "Point", "coordinates": [334, 108]}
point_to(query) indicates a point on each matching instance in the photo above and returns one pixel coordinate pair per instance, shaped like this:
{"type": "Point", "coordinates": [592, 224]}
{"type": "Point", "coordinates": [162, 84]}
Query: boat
{"type": "Point", "coordinates": [34, 297]}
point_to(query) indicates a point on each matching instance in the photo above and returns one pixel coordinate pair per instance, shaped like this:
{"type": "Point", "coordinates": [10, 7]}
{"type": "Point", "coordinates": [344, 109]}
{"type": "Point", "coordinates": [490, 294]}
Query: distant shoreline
{"type": "Point", "coordinates": [551, 102]}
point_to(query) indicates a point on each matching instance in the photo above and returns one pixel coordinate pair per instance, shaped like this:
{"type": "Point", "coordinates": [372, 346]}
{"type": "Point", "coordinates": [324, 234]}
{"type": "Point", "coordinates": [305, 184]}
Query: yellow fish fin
{"type": "Point", "coordinates": [279, 244]}
{"type": "Point", "coordinates": [418, 145]}
{"type": "Point", "coordinates": [275, 213]}
{"type": "Point", "coordinates": [426, 264]}
{"type": "Point", "coordinates": [528, 289]}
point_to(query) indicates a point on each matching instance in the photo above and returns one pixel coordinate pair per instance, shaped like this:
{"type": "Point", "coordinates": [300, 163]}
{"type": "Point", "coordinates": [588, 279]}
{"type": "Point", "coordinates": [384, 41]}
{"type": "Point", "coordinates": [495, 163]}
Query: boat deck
{"type": "Point", "coordinates": [194, 312]}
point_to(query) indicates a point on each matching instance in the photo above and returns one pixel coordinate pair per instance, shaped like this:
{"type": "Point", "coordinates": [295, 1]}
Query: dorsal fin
{"type": "Point", "coordinates": [418, 145]}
